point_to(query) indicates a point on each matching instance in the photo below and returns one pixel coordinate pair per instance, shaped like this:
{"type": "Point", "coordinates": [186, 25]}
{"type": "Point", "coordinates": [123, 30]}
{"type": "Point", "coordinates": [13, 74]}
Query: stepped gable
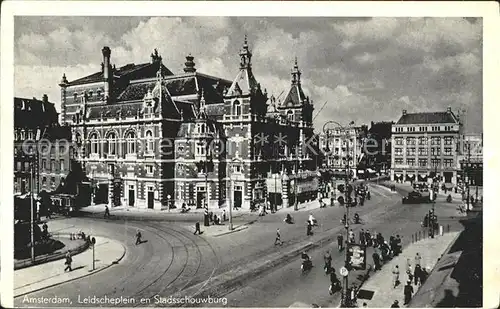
{"type": "Point", "coordinates": [428, 118]}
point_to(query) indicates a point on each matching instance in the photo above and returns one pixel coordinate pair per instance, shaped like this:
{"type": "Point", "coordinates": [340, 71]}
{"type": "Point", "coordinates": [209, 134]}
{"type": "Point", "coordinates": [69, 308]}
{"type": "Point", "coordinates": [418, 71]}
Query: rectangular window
{"type": "Point", "coordinates": [435, 151]}
{"type": "Point", "coordinates": [149, 169]}
{"type": "Point", "coordinates": [61, 165]}
{"type": "Point", "coordinates": [447, 151]}
{"type": "Point", "coordinates": [410, 151]}
{"type": "Point", "coordinates": [410, 141]}
{"type": "Point", "coordinates": [237, 168]}
{"type": "Point", "coordinates": [52, 165]}
{"type": "Point", "coordinates": [422, 162]}
{"type": "Point", "coordinates": [399, 141]}
{"type": "Point", "coordinates": [422, 151]}
{"type": "Point", "coordinates": [435, 162]}
{"type": "Point", "coordinates": [448, 162]}
{"type": "Point", "coordinates": [448, 140]}
{"type": "Point", "coordinates": [44, 164]}
{"type": "Point", "coordinates": [410, 162]}
{"type": "Point", "coordinates": [398, 161]}
{"type": "Point", "coordinates": [398, 151]}
{"type": "Point", "coordinates": [422, 140]}
{"type": "Point", "coordinates": [27, 166]}
{"type": "Point", "coordinates": [19, 166]}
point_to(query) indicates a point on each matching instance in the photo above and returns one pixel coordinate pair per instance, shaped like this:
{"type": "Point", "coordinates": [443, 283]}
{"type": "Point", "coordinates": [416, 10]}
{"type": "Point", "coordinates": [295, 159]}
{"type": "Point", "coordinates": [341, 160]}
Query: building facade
{"type": "Point", "coordinates": [339, 145]}
{"type": "Point", "coordinates": [149, 138]}
{"type": "Point", "coordinates": [425, 147]}
{"type": "Point", "coordinates": [471, 160]}
{"type": "Point", "coordinates": [41, 146]}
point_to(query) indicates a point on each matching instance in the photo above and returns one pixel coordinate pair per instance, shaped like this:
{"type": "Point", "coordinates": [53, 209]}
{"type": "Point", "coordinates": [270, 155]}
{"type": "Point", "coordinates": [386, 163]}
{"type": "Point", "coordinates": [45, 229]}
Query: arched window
{"type": "Point", "coordinates": [112, 143]}
{"type": "Point", "coordinates": [149, 141]}
{"type": "Point", "coordinates": [130, 142]}
{"type": "Point", "coordinates": [94, 143]}
{"type": "Point", "coordinates": [237, 108]}
{"type": "Point", "coordinates": [289, 115]}
{"type": "Point", "coordinates": [44, 181]}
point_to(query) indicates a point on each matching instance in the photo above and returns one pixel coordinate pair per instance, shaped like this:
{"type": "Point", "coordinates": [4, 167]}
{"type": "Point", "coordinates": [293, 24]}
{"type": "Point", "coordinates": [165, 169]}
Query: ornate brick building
{"type": "Point", "coordinates": [148, 137]}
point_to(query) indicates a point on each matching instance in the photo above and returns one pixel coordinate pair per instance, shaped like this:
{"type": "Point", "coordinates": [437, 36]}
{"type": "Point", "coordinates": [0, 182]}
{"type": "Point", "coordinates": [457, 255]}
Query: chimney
{"type": "Point", "coordinates": [108, 78]}
{"type": "Point", "coordinates": [404, 112]}
{"type": "Point", "coordinates": [448, 109]}
{"type": "Point", "coordinates": [189, 64]}
{"type": "Point", "coordinates": [45, 99]}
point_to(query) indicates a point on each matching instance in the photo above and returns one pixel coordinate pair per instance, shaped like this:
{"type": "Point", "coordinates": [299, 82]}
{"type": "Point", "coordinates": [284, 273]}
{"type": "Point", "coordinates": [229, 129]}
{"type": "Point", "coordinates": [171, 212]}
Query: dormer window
{"type": "Point", "coordinates": [289, 115]}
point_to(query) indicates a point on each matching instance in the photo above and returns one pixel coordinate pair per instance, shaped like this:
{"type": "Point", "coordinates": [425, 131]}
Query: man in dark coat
{"type": "Point", "coordinates": [309, 228]}
{"type": "Point", "coordinates": [197, 228]}
{"type": "Point", "coordinates": [408, 291]}
{"type": "Point", "coordinates": [376, 261]}
{"type": "Point", "coordinates": [362, 237]}
{"type": "Point", "coordinates": [340, 242]}
{"type": "Point", "coordinates": [395, 304]}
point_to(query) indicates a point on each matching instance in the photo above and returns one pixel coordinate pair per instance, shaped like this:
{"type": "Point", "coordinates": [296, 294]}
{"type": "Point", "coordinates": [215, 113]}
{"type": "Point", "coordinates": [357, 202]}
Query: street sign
{"type": "Point", "coordinates": [343, 271]}
{"type": "Point", "coordinates": [93, 240]}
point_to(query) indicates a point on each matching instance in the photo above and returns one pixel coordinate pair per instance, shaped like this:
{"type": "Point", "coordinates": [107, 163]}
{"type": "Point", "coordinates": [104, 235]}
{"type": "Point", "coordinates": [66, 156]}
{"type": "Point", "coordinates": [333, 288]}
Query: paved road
{"type": "Point", "coordinates": [287, 285]}
{"type": "Point", "coordinates": [173, 258]}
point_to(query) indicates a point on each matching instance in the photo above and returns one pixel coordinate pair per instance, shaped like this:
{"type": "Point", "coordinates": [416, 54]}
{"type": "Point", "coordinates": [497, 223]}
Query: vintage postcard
{"type": "Point", "coordinates": [248, 154]}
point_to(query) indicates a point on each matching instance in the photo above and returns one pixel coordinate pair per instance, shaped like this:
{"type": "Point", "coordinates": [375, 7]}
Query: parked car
{"type": "Point", "coordinates": [415, 197]}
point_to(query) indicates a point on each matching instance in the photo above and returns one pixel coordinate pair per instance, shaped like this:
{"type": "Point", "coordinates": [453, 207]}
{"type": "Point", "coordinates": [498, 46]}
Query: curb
{"type": "Point", "coordinates": [192, 217]}
{"type": "Point", "coordinates": [73, 279]}
{"type": "Point", "coordinates": [238, 229]}
{"type": "Point", "coordinates": [51, 258]}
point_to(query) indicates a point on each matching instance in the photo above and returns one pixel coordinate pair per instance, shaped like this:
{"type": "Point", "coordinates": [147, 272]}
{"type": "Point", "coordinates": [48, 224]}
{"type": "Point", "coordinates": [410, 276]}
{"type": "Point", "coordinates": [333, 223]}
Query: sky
{"type": "Point", "coordinates": [365, 69]}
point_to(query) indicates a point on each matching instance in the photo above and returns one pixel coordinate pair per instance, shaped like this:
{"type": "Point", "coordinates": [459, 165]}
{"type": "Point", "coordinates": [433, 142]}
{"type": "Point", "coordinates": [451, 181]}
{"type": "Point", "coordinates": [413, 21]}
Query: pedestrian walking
{"type": "Point", "coordinates": [106, 212]}
{"type": "Point", "coordinates": [278, 241]}
{"type": "Point", "coordinates": [395, 276]}
{"type": "Point", "coordinates": [138, 237]}
{"type": "Point", "coordinates": [408, 292]}
{"type": "Point", "coordinates": [328, 261]}
{"type": "Point", "coordinates": [368, 238]}
{"type": "Point", "coordinates": [398, 245]}
{"type": "Point", "coordinates": [224, 218]}
{"type": "Point", "coordinates": [309, 228]}
{"type": "Point", "coordinates": [362, 237]}
{"type": "Point", "coordinates": [351, 237]}
{"type": "Point", "coordinates": [334, 281]}
{"type": "Point", "coordinates": [418, 259]}
{"type": "Point", "coordinates": [340, 241]}
{"type": "Point", "coordinates": [68, 262]}
{"type": "Point", "coordinates": [408, 265]}
{"type": "Point", "coordinates": [376, 261]}
{"type": "Point", "coordinates": [417, 274]}
{"type": "Point", "coordinates": [395, 304]}
{"type": "Point", "coordinates": [197, 228]}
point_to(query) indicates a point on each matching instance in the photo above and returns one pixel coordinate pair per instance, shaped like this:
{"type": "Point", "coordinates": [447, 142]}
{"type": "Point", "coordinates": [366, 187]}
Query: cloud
{"type": "Point", "coordinates": [366, 68]}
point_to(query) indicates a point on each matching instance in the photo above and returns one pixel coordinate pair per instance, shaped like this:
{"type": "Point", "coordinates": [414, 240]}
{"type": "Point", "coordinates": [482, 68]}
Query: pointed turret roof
{"type": "Point", "coordinates": [295, 95]}
{"type": "Point", "coordinates": [245, 82]}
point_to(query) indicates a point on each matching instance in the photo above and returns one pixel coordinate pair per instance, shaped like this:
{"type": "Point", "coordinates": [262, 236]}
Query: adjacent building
{"type": "Point", "coordinates": [42, 148]}
{"type": "Point", "coordinates": [149, 138]}
{"type": "Point", "coordinates": [425, 147]}
{"type": "Point", "coordinates": [341, 146]}
{"type": "Point", "coordinates": [471, 160]}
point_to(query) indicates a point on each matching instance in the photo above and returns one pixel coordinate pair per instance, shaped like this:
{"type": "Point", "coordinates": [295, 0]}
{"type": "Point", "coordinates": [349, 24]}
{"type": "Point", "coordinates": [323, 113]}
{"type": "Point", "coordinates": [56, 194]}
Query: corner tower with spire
{"type": "Point", "coordinates": [245, 95]}
{"type": "Point", "coordinates": [296, 106]}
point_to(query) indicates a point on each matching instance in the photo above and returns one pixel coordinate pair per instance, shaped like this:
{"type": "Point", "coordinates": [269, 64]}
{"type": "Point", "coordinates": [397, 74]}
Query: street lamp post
{"type": "Point", "coordinates": [230, 198]}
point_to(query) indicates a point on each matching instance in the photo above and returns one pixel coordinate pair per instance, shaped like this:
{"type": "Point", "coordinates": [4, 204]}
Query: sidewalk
{"type": "Point", "coordinates": [380, 283]}
{"type": "Point", "coordinates": [50, 274]}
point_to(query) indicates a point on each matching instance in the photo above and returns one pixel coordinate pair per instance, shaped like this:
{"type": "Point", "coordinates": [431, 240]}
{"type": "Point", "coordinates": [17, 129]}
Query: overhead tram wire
{"type": "Point", "coordinates": [320, 110]}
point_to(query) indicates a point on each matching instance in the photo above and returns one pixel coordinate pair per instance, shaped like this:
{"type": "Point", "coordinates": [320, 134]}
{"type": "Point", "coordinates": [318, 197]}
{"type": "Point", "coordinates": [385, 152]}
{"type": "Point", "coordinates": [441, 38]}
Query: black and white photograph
{"type": "Point", "coordinates": [179, 160]}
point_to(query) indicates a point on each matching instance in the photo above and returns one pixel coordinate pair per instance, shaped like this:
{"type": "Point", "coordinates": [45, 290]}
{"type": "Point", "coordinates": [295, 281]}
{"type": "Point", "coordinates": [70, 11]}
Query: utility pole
{"type": "Point", "coordinates": [347, 205]}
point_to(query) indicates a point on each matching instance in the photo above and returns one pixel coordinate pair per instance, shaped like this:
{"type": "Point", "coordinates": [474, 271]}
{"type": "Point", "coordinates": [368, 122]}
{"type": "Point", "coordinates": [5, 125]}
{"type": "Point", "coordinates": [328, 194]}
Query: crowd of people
{"type": "Point", "coordinates": [415, 273]}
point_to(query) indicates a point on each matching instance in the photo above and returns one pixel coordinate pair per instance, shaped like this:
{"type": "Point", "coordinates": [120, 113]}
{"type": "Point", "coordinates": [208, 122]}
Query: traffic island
{"type": "Point", "coordinates": [48, 251]}
{"type": "Point", "coordinates": [108, 252]}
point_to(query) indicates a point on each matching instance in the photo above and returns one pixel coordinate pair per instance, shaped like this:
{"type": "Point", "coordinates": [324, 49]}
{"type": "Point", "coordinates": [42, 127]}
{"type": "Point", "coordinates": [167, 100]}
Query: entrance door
{"type": "Point", "coordinates": [131, 196]}
{"type": "Point", "coordinates": [447, 177]}
{"type": "Point", "coordinates": [151, 196]}
{"type": "Point", "coordinates": [237, 198]}
{"type": "Point", "coordinates": [200, 198]}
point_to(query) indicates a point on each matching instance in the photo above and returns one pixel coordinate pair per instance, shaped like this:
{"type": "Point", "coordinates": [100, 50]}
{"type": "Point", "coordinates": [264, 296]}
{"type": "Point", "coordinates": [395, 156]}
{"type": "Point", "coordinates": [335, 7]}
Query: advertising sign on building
{"type": "Point", "coordinates": [356, 254]}
{"type": "Point", "coordinates": [274, 185]}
